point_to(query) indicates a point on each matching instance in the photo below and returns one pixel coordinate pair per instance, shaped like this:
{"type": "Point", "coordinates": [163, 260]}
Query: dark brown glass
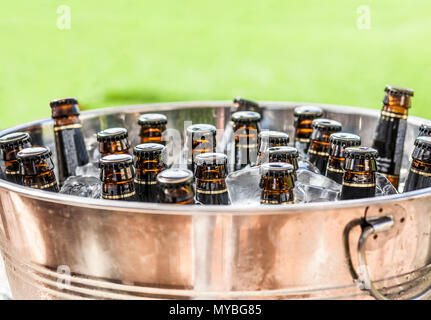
{"type": "Point", "coordinates": [267, 139]}
{"type": "Point", "coordinates": [338, 142]}
{"type": "Point", "coordinates": [246, 128]}
{"type": "Point", "coordinates": [152, 126]}
{"type": "Point", "coordinates": [359, 180]}
{"type": "Point", "coordinates": [117, 175]}
{"type": "Point", "coordinates": [211, 172]}
{"type": "Point", "coordinates": [304, 116]}
{"type": "Point", "coordinates": [150, 161]}
{"type": "Point", "coordinates": [201, 138]}
{"type": "Point", "coordinates": [420, 169]}
{"type": "Point", "coordinates": [69, 140]}
{"type": "Point", "coordinates": [176, 186]}
{"type": "Point", "coordinates": [37, 169]}
{"type": "Point", "coordinates": [277, 183]}
{"type": "Point", "coordinates": [319, 148]}
{"type": "Point", "coordinates": [241, 104]}
{"type": "Point", "coordinates": [113, 141]}
{"type": "Point", "coordinates": [289, 155]}
{"type": "Point", "coordinates": [391, 132]}
{"type": "Point", "coordinates": [10, 145]}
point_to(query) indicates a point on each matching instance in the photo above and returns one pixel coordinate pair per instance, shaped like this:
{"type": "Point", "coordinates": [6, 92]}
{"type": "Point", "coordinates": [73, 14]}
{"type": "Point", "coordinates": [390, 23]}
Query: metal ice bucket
{"type": "Point", "coordinates": [64, 247]}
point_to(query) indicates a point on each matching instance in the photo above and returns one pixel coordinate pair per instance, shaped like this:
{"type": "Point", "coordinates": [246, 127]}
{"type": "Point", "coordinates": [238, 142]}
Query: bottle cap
{"type": "Point", "coordinates": [422, 151]}
{"type": "Point", "coordinates": [310, 112]}
{"type": "Point", "coordinates": [363, 153]}
{"type": "Point", "coordinates": [399, 90]}
{"type": "Point", "coordinates": [175, 176]}
{"type": "Point", "coordinates": [62, 102]}
{"type": "Point", "coordinates": [244, 104]}
{"type": "Point", "coordinates": [34, 154]}
{"type": "Point", "coordinates": [245, 116]}
{"type": "Point", "coordinates": [201, 129]}
{"type": "Point", "coordinates": [425, 129]}
{"type": "Point", "coordinates": [14, 139]}
{"type": "Point", "coordinates": [116, 161]}
{"type": "Point", "coordinates": [211, 158]}
{"type": "Point", "coordinates": [326, 124]}
{"type": "Point", "coordinates": [112, 134]}
{"type": "Point", "coordinates": [151, 119]}
{"type": "Point", "coordinates": [273, 137]}
{"type": "Point", "coordinates": [345, 139]}
{"type": "Point", "coordinates": [148, 149]}
{"type": "Point", "coordinates": [276, 169]}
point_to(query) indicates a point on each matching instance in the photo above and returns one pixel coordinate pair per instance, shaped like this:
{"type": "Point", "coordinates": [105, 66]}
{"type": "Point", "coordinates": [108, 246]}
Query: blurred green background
{"type": "Point", "coordinates": [130, 52]}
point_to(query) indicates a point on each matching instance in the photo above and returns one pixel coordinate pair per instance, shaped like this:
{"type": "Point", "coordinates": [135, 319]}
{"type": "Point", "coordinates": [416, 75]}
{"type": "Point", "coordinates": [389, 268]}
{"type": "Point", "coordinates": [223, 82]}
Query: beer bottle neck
{"type": "Point", "coordinates": [396, 104]}
{"type": "Point", "coordinates": [152, 134]}
{"type": "Point", "coordinates": [114, 147]}
{"type": "Point", "coordinates": [304, 129]}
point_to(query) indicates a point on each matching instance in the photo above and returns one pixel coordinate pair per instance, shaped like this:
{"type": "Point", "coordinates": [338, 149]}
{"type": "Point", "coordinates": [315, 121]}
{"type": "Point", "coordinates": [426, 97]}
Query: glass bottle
{"type": "Point", "coordinates": [150, 161]}
{"type": "Point", "coordinates": [391, 131]}
{"type": "Point", "coordinates": [37, 169]}
{"type": "Point", "coordinates": [211, 172]}
{"type": "Point", "coordinates": [152, 127]}
{"type": "Point", "coordinates": [359, 180]}
{"type": "Point", "coordinates": [318, 150]}
{"type": "Point", "coordinates": [338, 142]}
{"type": "Point", "coordinates": [69, 139]}
{"type": "Point", "coordinates": [117, 174]}
{"type": "Point", "coordinates": [10, 145]}
{"type": "Point", "coordinates": [176, 186]}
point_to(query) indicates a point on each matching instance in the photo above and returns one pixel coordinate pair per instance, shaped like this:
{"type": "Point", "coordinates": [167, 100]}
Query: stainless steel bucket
{"type": "Point", "coordinates": [64, 247]}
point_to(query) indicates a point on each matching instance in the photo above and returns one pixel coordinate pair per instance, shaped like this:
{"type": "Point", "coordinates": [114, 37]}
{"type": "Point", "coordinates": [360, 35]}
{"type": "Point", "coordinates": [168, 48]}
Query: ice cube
{"type": "Point", "coordinates": [93, 149]}
{"type": "Point", "coordinates": [304, 164]}
{"type": "Point", "coordinates": [384, 186]}
{"type": "Point", "coordinates": [318, 194]}
{"type": "Point", "coordinates": [88, 187]}
{"type": "Point", "coordinates": [299, 193]}
{"type": "Point", "coordinates": [309, 178]}
{"type": "Point", "coordinates": [243, 186]}
{"type": "Point", "coordinates": [88, 170]}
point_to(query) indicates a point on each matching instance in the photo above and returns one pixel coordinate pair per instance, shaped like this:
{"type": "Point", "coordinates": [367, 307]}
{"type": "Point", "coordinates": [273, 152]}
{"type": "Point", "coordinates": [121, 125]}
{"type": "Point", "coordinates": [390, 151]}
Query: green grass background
{"type": "Point", "coordinates": [129, 52]}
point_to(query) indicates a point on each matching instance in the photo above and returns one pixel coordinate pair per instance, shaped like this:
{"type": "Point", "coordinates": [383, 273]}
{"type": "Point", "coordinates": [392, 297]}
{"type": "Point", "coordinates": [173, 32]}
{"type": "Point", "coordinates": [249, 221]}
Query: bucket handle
{"type": "Point", "coordinates": [376, 225]}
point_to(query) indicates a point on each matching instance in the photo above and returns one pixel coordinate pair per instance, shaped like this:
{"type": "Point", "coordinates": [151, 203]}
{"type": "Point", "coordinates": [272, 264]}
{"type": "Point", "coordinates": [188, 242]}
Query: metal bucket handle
{"type": "Point", "coordinates": [376, 225]}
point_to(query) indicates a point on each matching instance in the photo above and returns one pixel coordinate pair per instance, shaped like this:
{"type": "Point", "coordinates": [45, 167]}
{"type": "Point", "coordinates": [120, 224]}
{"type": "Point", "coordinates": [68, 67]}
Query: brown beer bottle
{"type": "Point", "coordinates": [152, 127]}
{"type": "Point", "coordinates": [277, 183]}
{"type": "Point", "coordinates": [267, 139]}
{"type": "Point", "coordinates": [200, 138]}
{"type": "Point", "coordinates": [37, 169]}
{"type": "Point", "coordinates": [241, 104]}
{"type": "Point", "coordinates": [116, 174]}
{"type": "Point", "coordinates": [304, 116]}
{"type": "Point", "coordinates": [69, 140]}
{"type": "Point", "coordinates": [150, 160]}
{"type": "Point", "coordinates": [420, 169]}
{"type": "Point", "coordinates": [391, 132]}
{"type": "Point", "coordinates": [113, 141]}
{"type": "Point", "coordinates": [10, 145]}
{"type": "Point", "coordinates": [176, 186]}
{"type": "Point", "coordinates": [338, 142]}
{"type": "Point", "coordinates": [359, 180]}
{"type": "Point", "coordinates": [211, 172]}
{"type": "Point", "coordinates": [425, 130]}
{"type": "Point", "coordinates": [318, 150]}
{"type": "Point", "coordinates": [246, 129]}
{"type": "Point", "coordinates": [284, 154]}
